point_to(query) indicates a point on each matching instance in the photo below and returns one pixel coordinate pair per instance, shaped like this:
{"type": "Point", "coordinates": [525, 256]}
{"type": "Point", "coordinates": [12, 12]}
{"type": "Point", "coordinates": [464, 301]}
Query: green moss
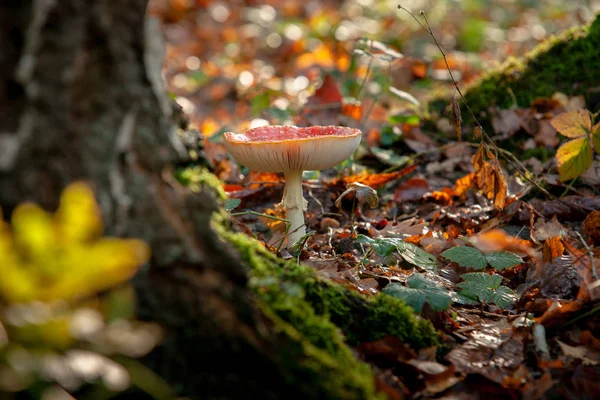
{"type": "Point", "coordinates": [315, 320]}
{"type": "Point", "coordinates": [324, 318]}
{"type": "Point", "coordinates": [197, 178]}
{"type": "Point", "coordinates": [566, 63]}
{"type": "Point", "coordinates": [369, 319]}
{"type": "Point", "coordinates": [314, 357]}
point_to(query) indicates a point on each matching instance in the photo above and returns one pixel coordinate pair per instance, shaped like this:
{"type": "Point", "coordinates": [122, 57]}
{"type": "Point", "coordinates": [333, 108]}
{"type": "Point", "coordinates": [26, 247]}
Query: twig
{"type": "Point", "coordinates": [367, 75]}
{"type": "Point", "coordinates": [590, 254]}
{"type": "Point", "coordinates": [483, 312]}
{"type": "Point", "coordinates": [525, 174]}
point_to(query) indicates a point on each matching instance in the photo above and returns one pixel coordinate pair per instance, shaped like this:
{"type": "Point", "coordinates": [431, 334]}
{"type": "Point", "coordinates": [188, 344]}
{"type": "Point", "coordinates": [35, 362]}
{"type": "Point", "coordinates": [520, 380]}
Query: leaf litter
{"type": "Point", "coordinates": [431, 213]}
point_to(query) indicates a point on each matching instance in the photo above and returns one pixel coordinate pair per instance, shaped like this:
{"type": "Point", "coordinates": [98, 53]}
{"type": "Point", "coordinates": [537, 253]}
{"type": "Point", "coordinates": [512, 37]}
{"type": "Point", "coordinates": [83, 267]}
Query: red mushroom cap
{"type": "Point", "coordinates": [277, 148]}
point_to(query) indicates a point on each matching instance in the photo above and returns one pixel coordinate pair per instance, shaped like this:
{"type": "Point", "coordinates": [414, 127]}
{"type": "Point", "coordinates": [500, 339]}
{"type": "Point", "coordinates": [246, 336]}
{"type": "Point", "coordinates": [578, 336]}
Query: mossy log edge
{"type": "Point", "coordinates": [566, 63]}
{"type": "Point", "coordinates": [325, 319]}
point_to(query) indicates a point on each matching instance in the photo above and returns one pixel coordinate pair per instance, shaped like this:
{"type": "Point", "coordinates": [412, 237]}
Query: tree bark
{"type": "Point", "coordinates": [81, 98]}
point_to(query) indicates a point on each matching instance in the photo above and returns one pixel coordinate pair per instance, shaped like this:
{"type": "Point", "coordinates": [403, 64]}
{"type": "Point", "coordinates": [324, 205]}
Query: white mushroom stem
{"type": "Point", "coordinates": [295, 205]}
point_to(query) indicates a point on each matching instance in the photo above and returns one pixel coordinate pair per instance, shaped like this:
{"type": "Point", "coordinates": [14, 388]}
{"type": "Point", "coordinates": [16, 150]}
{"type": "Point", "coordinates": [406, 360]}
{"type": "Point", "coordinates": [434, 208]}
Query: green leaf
{"type": "Point", "coordinates": [420, 290]}
{"type": "Point", "coordinates": [416, 255]}
{"type": "Point", "coordinates": [382, 246]}
{"type": "Point", "coordinates": [231, 204]}
{"type": "Point", "coordinates": [409, 119]}
{"type": "Point", "coordinates": [574, 158]}
{"type": "Point", "coordinates": [389, 135]}
{"type": "Point", "coordinates": [573, 124]}
{"type": "Point", "coordinates": [503, 297]}
{"type": "Point", "coordinates": [466, 256]}
{"type": "Point", "coordinates": [460, 298]}
{"type": "Point", "coordinates": [408, 251]}
{"type": "Point", "coordinates": [487, 289]}
{"type": "Point", "coordinates": [279, 114]}
{"type": "Point", "coordinates": [503, 259]}
{"type": "Point", "coordinates": [260, 103]}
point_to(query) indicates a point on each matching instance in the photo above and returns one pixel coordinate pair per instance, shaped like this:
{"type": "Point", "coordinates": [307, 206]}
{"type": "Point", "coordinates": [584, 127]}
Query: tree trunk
{"type": "Point", "coordinates": [81, 98]}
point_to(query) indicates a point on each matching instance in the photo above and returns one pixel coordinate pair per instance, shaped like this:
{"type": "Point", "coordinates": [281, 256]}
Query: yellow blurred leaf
{"type": "Point", "coordinates": [574, 158]}
{"type": "Point", "coordinates": [573, 124]}
{"type": "Point", "coordinates": [101, 266]}
{"type": "Point", "coordinates": [64, 257]}
{"type": "Point", "coordinates": [78, 217]}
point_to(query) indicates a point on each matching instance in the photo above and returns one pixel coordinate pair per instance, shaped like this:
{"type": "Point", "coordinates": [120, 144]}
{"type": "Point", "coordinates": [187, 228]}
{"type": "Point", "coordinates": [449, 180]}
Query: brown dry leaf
{"type": "Point", "coordinates": [584, 266]}
{"type": "Point", "coordinates": [591, 176]}
{"type": "Point", "coordinates": [506, 123]}
{"type": "Point", "coordinates": [411, 190]}
{"type": "Point", "coordinates": [553, 248]}
{"type": "Point", "coordinates": [489, 177]}
{"type": "Point", "coordinates": [546, 134]}
{"type": "Point", "coordinates": [569, 208]}
{"type": "Point", "coordinates": [364, 195]}
{"type": "Point", "coordinates": [403, 229]}
{"type": "Point", "coordinates": [587, 356]}
{"type": "Point", "coordinates": [543, 230]}
{"type": "Point", "coordinates": [591, 227]}
{"type": "Point", "coordinates": [389, 348]}
{"type": "Point", "coordinates": [457, 118]}
{"type": "Point", "coordinates": [494, 351]}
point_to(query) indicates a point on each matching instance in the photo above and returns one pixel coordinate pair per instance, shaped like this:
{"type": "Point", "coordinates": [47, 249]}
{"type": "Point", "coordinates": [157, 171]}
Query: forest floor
{"type": "Point", "coordinates": [486, 234]}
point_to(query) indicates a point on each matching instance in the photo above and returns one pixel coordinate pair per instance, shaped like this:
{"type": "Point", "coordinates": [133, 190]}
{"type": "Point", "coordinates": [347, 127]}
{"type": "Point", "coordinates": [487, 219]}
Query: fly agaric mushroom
{"type": "Point", "coordinates": [292, 150]}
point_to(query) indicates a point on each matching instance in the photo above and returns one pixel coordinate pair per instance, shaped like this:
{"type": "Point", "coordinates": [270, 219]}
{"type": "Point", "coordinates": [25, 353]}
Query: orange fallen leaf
{"type": "Point", "coordinates": [553, 248]}
{"type": "Point", "coordinates": [443, 197]}
{"type": "Point", "coordinates": [353, 110]}
{"type": "Point", "coordinates": [374, 180]}
{"type": "Point", "coordinates": [463, 184]}
{"type": "Point", "coordinates": [258, 179]}
{"type": "Point", "coordinates": [499, 240]}
{"type": "Point", "coordinates": [489, 177]}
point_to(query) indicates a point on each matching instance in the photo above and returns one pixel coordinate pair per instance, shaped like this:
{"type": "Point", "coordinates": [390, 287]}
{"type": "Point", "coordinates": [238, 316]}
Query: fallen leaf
{"type": "Point", "coordinates": [374, 180]}
{"type": "Point", "coordinates": [552, 248]}
{"type": "Point", "coordinates": [411, 190]}
{"type": "Point", "coordinates": [506, 123]}
{"type": "Point", "coordinates": [494, 351]}
{"type": "Point", "coordinates": [489, 177]}
{"type": "Point", "coordinates": [364, 195]}
{"type": "Point", "coordinates": [545, 134]}
{"type": "Point", "coordinates": [543, 230]}
{"type": "Point", "coordinates": [573, 124]}
{"type": "Point", "coordinates": [570, 208]}
{"type": "Point", "coordinates": [591, 227]}
{"type": "Point", "coordinates": [574, 158]}
{"type": "Point", "coordinates": [581, 353]}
